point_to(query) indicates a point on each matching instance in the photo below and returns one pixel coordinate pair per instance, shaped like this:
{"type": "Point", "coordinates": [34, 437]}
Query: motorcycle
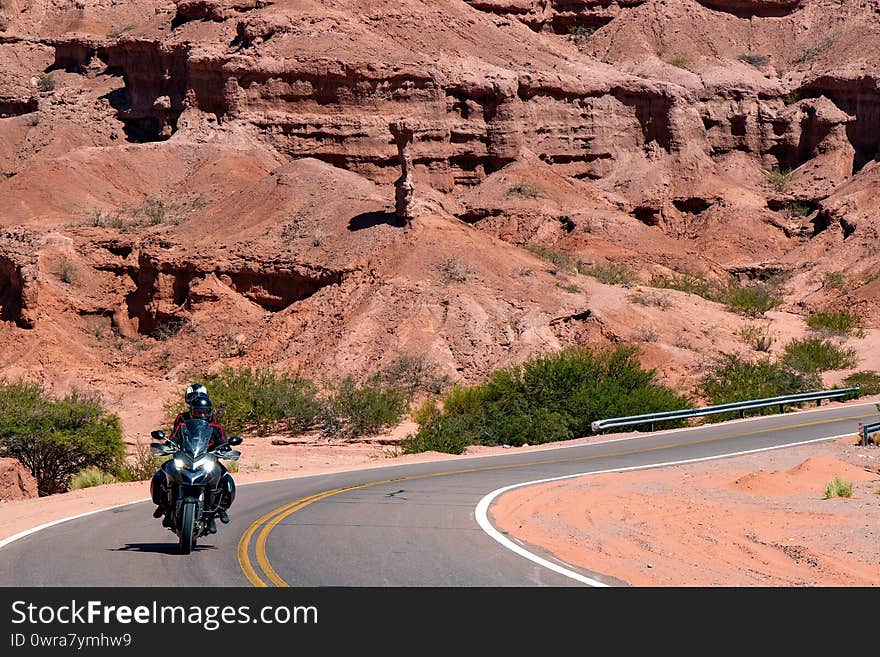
{"type": "Point", "coordinates": [193, 478]}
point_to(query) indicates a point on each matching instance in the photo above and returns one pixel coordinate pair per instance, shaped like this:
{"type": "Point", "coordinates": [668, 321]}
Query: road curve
{"type": "Point", "coordinates": [399, 525]}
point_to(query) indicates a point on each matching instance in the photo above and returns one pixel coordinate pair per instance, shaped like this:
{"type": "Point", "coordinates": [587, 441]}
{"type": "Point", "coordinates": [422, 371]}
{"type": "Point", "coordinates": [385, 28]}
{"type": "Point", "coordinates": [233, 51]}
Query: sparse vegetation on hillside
{"type": "Point", "coordinates": [750, 300]}
{"type": "Point", "coordinates": [57, 437]}
{"type": "Point", "coordinates": [454, 270]}
{"type": "Point", "coordinates": [560, 259]}
{"type": "Point", "coordinates": [67, 271]}
{"type": "Point", "coordinates": [579, 34]}
{"type": "Point", "coordinates": [758, 61]}
{"type": "Point", "coordinates": [351, 409]}
{"type": "Point", "coordinates": [817, 355]}
{"type": "Point", "coordinates": [524, 189]}
{"type": "Point", "coordinates": [551, 397]}
{"type": "Point", "coordinates": [837, 322]}
{"type": "Point", "coordinates": [687, 281]}
{"type": "Point", "coordinates": [680, 61]}
{"type": "Point", "coordinates": [610, 274]}
{"type": "Point", "coordinates": [757, 336]}
{"type": "Point", "coordinates": [779, 177]}
{"type": "Point", "coordinates": [45, 82]}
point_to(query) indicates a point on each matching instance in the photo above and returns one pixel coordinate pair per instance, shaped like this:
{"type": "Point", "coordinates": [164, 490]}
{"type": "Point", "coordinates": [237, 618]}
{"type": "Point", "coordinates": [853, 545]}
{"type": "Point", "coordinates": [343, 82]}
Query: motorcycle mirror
{"type": "Point", "coordinates": [229, 455]}
{"type": "Point", "coordinates": [234, 440]}
{"type": "Point", "coordinates": [159, 449]}
{"type": "Point", "coordinates": [158, 434]}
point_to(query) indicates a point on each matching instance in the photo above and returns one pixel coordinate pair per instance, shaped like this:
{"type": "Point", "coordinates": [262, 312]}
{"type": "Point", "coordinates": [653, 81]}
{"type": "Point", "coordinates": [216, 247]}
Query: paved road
{"type": "Point", "coordinates": [406, 525]}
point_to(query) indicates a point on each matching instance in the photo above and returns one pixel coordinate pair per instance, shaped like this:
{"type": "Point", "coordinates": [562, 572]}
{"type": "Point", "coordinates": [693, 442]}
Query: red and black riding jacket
{"type": "Point", "coordinates": [218, 437]}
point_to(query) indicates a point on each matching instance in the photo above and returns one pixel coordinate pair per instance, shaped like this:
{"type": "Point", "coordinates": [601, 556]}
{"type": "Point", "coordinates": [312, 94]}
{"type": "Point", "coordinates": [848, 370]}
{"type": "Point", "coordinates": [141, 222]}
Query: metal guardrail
{"type": "Point", "coordinates": [866, 430]}
{"type": "Point", "coordinates": [742, 407]}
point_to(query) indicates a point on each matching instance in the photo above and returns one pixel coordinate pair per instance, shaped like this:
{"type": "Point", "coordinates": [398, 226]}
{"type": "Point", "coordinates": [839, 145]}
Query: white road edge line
{"type": "Point", "coordinates": [481, 512]}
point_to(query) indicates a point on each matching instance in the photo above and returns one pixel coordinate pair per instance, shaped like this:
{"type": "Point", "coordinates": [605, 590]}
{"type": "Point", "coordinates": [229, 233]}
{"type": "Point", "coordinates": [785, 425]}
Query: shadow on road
{"type": "Point", "coordinates": [158, 548]}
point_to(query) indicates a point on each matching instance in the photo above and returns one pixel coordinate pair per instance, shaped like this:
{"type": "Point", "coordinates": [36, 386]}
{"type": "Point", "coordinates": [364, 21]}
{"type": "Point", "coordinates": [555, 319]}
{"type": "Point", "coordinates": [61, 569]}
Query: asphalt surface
{"type": "Point", "coordinates": [406, 525]}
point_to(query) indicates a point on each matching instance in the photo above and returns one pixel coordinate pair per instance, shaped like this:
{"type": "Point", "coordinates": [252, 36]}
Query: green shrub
{"type": "Point", "coordinates": [817, 355]}
{"type": "Point", "coordinates": [732, 378]}
{"type": "Point", "coordinates": [801, 209]}
{"type": "Point", "coordinates": [45, 82]}
{"type": "Point", "coordinates": [840, 322]}
{"type": "Point", "coordinates": [835, 280]}
{"type": "Point", "coordinates": [750, 300]}
{"type": "Point", "coordinates": [559, 259]}
{"type": "Point", "coordinates": [790, 98]}
{"type": "Point", "coordinates": [687, 281]}
{"type": "Point", "coordinates": [610, 274]}
{"type": "Point", "coordinates": [581, 33]}
{"type": "Point", "coordinates": [551, 397]}
{"type": "Point", "coordinates": [90, 477]}
{"type": "Point", "coordinates": [867, 380]}
{"type": "Point", "coordinates": [680, 61]}
{"type": "Point", "coordinates": [351, 410]}
{"type": "Point", "coordinates": [758, 337]}
{"type": "Point", "coordinates": [779, 178]}
{"type": "Point", "coordinates": [838, 487]}
{"type": "Point", "coordinates": [55, 438]}
{"type": "Point", "coordinates": [260, 399]}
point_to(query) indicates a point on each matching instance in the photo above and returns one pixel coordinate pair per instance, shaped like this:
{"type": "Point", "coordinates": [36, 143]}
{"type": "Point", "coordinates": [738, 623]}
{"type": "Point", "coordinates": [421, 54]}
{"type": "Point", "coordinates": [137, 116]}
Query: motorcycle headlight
{"type": "Point", "coordinates": [205, 462]}
{"type": "Point", "coordinates": [180, 464]}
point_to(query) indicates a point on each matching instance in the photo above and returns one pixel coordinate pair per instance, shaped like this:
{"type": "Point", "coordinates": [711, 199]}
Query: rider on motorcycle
{"type": "Point", "coordinates": [200, 408]}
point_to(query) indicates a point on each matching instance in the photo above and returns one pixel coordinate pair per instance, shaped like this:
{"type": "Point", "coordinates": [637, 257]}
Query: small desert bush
{"type": "Point", "coordinates": [610, 274]}
{"type": "Point", "coordinates": [732, 378]}
{"type": "Point", "coordinates": [648, 300]}
{"type": "Point", "coordinates": [551, 397]}
{"type": "Point", "coordinates": [232, 466]}
{"type": "Point", "coordinates": [757, 336]}
{"type": "Point", "coordinates": [90, 477]}
{"type": "Point", "coordinates": [680, 61]}
{"type": "Point", "coordinates": [45, 82]}
{"type": "Point", "coordinates": [559, 259]}
{"type": "Point", "coordinates": [867, 380]}
{"type": "Point", "coordinates": [790, 98]}
{"type": "Point", "coordinates": [454, 270]}
{"type": "Point", "coordinates": [838, 487]}
{"type": "Point", "coordinates": [140, 466]}
{"type": "Point", "coordinates": [779, 177]}
{"type": "Point", "coordinates": [580, 33]}
{"type": "Point", "coordinates": [750, 300]}
{"type": "Point", "coordinates": [687, 281]}
{"type": "Point", "coordinates": [811, 355]}
{"type": "Point", "coordinates": [758, 61]}
{"type": "Point", "coordinates": [524, 189]}
{"type": "Point", "coordinates": [801, 208]}
{"type": "Point", "coordinates": [838, 322]}
{"type": "Point", "coordinates": [351, 409]}
{"type": "Point", "coordinates": [67, 271]}
{"type": "Point", "coordinates": [835, 280]}
{"type": "Point", "coordinates": [414, 374]}
{"type": "Point", "coordinates": [57, 437]}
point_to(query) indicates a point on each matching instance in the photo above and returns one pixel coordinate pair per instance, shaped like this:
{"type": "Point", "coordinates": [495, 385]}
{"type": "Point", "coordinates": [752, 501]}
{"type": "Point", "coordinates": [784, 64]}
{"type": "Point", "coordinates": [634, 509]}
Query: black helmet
{"type": "Point", "coordinates": [200, 407]}
{"type": "Point", "coordinates": [192, 390]}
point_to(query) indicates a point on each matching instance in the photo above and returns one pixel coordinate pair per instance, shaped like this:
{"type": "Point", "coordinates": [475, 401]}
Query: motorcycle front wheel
{"type": "Point", "coordinates": [187, 527]}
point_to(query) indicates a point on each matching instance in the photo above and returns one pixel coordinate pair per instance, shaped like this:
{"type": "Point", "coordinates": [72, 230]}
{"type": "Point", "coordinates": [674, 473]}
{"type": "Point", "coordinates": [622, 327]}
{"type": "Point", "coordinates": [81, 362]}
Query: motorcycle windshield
{"type": "Point", "coordinates": [195, 435]}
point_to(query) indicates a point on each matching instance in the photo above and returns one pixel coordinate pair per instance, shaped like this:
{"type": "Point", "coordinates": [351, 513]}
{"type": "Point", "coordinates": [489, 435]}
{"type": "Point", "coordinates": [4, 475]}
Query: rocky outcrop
{"type": "Point", "coordinates": [19, 273]}
{"type": "Point", "coordinates": [16, 482]}
{"type": "Point", "coordinates": [577, 18]}
{"type": "Point", "coordinates": [749, 8]}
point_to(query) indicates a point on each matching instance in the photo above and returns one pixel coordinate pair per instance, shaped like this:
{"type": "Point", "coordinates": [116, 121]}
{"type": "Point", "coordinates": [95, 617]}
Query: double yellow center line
{"type": "Point", "coordinates": [263, 526]}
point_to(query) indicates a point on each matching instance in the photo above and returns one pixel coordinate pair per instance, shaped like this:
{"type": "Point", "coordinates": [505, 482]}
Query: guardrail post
{"type": "Point", "coordinates": [782, 408]}
{"type": "Point", "coordinates": [863, 435]}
